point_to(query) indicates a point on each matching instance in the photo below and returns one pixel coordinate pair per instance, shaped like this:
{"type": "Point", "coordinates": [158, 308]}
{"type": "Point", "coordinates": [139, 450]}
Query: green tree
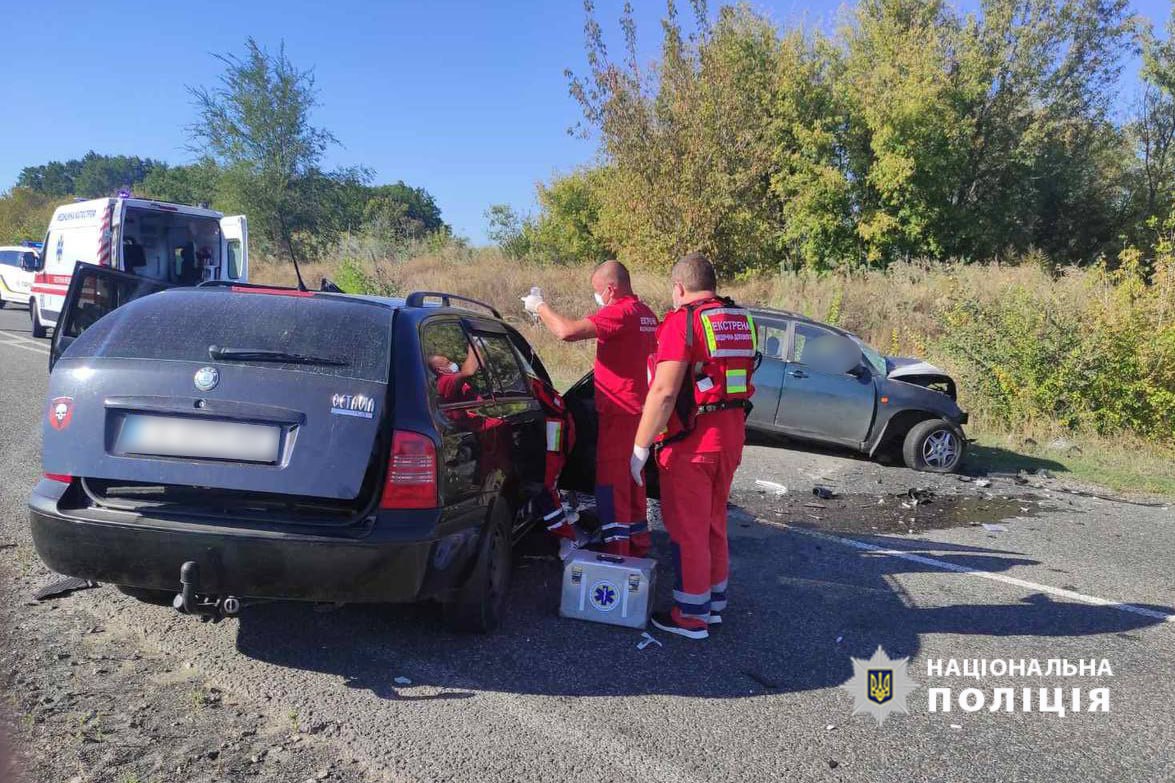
{"type": "Point", "coordinates": [192, 184]}
{"type": "Point", "coordinates": [24, 214]}
{"type": "Point", "coordinates": [255, 124]}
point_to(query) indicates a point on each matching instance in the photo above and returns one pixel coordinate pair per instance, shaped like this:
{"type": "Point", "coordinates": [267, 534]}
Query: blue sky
{"type": "Point", "coordinates": [467, 99]}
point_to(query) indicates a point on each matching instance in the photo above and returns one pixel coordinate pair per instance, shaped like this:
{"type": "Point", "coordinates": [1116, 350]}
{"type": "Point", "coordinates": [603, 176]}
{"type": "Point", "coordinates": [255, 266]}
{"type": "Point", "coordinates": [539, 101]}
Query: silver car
{"type": "Point", "coordinates": [819, 383]}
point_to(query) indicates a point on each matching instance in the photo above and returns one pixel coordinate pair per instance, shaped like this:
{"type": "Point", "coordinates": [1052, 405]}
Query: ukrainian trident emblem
{"type": "Point", "coordinates": [880, 685]}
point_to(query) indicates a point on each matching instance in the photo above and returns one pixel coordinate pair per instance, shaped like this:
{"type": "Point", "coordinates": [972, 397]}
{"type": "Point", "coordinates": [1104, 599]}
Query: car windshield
{"type": "Point", "coordinates": [317, 334]}
{"type": "Point", "coordinates": [875, 359]}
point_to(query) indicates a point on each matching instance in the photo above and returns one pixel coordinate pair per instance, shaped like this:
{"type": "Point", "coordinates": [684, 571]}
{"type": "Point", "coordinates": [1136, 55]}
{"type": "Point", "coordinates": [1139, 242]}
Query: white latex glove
{"type": "Point", "coordinates": [640, 455]}
{"type": "Point", "coordinates": [532, 300]}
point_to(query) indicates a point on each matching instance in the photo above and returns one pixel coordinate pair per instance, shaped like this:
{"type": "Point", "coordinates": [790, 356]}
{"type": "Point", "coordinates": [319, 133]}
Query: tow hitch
{"type": "Point", "coordinates": [208, 608]}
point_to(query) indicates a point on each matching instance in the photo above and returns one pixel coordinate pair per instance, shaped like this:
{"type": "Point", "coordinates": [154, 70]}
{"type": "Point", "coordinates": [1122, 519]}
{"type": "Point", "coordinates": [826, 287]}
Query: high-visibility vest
{"type": "Point", "coordinates": [560, 424]}
{"type": "Point", "coordinates": [722, 379]}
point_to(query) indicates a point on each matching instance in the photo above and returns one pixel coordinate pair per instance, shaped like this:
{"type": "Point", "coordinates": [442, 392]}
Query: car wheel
{"type": "Point", "coordinates": [147, 596]}
{"type": "Point", "coordinates": [35, 316]}
{"type": "Point", "coordinates": [934, 445]}
{"type": "Point", "coordinates": [479, 606]}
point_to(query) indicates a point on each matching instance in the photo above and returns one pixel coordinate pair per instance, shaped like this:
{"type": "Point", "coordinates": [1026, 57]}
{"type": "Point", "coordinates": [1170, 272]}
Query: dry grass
{"type": "Point", "coordinates": [893, 310]}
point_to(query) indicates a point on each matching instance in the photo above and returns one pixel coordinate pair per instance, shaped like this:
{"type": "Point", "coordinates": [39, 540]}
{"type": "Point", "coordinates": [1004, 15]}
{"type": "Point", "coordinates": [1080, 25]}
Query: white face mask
{"type": "Point", "coordinates": [599, 299]}
{"type": "Point", "coordinates": [453, 368]}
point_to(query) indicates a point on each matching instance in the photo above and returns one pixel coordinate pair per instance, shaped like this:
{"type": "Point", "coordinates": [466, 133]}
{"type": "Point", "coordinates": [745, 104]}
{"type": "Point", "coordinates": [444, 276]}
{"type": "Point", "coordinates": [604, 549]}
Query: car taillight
{"type": "Point", "coordinates": [412, 472]}
{"type": "Point", "coordinates": [64, 478]}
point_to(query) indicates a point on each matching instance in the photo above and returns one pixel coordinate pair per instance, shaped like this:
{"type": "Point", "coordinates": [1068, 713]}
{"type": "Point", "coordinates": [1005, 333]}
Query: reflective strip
{"type": "Point", "coordinates": [717, 604]}
{"type": "Point", "coordinates": [557, 512]}
{"type": "Point", "coordinates": [720, 587]}
{"type": "Point", "coordinates": [638, 527]}
{"type": "Point", "coordinates": [557, 524]}
{"type": "Point", "coordinates": [736, 381]}
{"type": "Point", "coordinates": [554, 435]}
{"type": "Point", "coordinates": [683, 597]}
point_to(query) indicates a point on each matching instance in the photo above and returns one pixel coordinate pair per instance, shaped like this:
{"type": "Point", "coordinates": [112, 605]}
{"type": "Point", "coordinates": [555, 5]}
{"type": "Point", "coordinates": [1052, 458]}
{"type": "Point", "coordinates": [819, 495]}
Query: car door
{"type": "Point", "coordinates": [522, 436]}
{"type": "Point", "coordinates": [819, 404]}
{"type": "Point", "coordinates": [93, 292]}
{"type": "Point", "coordinates": [768, 378]}
{"type": "Point", "coordinates": [234, 249]}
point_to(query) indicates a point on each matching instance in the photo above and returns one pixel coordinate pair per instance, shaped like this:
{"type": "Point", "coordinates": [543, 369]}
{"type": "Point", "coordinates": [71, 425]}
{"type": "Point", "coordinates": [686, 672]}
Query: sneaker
{"type": "Point", "coordinates": [714, 618]}
{"type": "Point", "coordinates": [668, 623]}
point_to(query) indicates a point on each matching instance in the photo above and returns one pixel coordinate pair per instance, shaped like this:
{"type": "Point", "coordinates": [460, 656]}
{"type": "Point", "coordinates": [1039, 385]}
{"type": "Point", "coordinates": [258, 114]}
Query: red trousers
{"type": "Point", "coordinates": [694, 490]}
{"type": "Point", "coordinates": [549, 505]}
{"type": "Point", "coordinates": [620, 501]}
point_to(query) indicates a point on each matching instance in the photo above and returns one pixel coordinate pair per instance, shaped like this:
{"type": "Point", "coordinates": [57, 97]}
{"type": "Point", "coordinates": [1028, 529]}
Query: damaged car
{"type": "Point", "coordinates": [822, 384]}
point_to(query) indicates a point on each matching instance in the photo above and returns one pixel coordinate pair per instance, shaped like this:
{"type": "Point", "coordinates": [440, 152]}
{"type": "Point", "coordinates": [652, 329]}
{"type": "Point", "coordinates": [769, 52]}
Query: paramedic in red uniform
{"type": "Point", "coordinates": [625, 332]}
{"type": "Point", "coordinates": [695, 414]}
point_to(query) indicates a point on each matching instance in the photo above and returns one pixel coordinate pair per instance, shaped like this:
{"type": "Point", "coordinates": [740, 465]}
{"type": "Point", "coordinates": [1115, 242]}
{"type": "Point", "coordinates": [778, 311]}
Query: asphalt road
{"type": "Point", "coordinates": [814, 583]}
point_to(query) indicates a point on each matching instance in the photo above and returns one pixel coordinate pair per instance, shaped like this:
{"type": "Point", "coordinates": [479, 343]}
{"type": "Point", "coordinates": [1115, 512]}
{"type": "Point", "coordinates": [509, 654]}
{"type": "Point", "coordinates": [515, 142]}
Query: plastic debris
{"type": "Point", "coordinates": [965, 479]}
{"type": "Point", "coordinates": [829, 727]}
{"type": "Point", "coordinates": [956, 726]}
{"type": "Point", "coordinates": [989, 527]}
{"type": "Point", "coordinates": [983, 483]}
{"type": "Point", "coordinates": [402, 681]}
{"type": "Point", "coordinates": [771, 486]}
{"type": "Point", "coordinates": [646, 640]}
{"type": "Point", "coordinates": [63, 587]}
{"type": "Point", "coordinates": [839, 639]}
{"type": "Point", "coordinates": [824, 493]}
{"type": "Point", "coordinates": [920, 495]}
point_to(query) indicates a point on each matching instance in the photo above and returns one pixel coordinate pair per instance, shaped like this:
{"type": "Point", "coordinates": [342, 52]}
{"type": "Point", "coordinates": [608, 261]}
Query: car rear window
{"type": "Point", "coordinates": [181, 326]}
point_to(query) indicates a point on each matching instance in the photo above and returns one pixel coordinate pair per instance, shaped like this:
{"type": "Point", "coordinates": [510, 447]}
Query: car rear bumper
{"type": "Point", "coordinates": [147, 553]}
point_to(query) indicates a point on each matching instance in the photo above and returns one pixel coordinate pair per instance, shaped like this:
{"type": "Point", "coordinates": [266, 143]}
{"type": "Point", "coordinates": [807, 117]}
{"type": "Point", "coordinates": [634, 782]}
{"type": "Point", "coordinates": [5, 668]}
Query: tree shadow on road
{"type": "Point", "coordinates": [800, 607]}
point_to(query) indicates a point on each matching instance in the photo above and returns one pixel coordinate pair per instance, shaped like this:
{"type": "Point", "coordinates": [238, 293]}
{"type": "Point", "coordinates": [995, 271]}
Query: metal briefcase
{"type": "Point", "coordinates": [608, 588]}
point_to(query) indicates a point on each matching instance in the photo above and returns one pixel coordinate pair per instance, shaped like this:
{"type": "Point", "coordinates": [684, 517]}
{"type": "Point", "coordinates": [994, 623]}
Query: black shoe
{"type": "Point", "coordinates": [665, 621]}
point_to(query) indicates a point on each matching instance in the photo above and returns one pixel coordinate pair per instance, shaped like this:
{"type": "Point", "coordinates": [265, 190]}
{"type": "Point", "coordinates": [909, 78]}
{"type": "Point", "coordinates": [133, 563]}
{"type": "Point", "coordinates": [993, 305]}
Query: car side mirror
{"type": "Point", "coordinates": [860, 371]}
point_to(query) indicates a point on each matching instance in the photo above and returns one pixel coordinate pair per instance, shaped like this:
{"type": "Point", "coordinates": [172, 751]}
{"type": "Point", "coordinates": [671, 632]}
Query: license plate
{"type": "Point", "coordinates": [168, 436]}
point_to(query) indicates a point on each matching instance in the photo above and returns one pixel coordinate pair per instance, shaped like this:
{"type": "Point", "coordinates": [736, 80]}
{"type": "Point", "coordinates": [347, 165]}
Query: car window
{"type": "Point", "coordinates": [353, 338]}
{"type": "Point", "coordinates": [873, 356]}
{"type": "Point", "coordinates": [773, 341]}
{"type": "Point", "coordinates": [811, 341]}
{"type": "Point", "coordinates": [455, 368]}
{"type": "Point", "coordinates": [508, 375]}
{"type": "Point", "coordinates": [9, 258]}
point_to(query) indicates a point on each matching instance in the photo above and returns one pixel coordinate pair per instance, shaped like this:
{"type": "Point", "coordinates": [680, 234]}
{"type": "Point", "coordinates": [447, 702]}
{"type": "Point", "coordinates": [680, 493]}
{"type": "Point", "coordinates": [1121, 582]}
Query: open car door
{"type": "Point", "coordinates": [579, 474]}
{"type": "Point", "coordinates": [234, 249]}
{"type": "Point", "coordinates": [93, 292]}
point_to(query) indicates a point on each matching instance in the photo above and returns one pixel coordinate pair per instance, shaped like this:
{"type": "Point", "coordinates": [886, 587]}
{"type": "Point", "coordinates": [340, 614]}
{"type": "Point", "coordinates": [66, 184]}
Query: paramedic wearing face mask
{"type": "Point", "coordinates": [625, 332]}
{"type": "Point", "coordinates": [696, 415]}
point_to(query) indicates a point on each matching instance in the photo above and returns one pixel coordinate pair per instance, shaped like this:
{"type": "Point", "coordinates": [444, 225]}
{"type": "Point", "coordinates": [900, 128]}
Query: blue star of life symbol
{"type": "Point", "coordinates": [604, 596]}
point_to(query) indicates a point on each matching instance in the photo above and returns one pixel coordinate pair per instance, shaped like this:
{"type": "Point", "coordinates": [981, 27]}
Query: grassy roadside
{"type": "Point", "coordinates": [1124, 465]}
{"type": "Point", "coordinates": [898, 311]}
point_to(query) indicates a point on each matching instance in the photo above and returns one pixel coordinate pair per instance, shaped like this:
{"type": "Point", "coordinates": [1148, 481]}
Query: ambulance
{"type": "Point", "coordinates": [171, 244]}
{"type": "Point", "coordinates": [17, 263]}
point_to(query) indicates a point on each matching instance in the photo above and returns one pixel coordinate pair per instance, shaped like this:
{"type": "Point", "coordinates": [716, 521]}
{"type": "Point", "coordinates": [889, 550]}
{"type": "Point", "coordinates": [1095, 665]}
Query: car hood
{"type": "Point", "coordinates": [899, 367]}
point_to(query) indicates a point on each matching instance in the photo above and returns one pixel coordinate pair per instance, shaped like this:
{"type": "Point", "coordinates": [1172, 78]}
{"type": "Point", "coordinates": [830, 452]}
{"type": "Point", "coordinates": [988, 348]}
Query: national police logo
{"type": "Point", "coordinates": [603, 596]}
{"type": "Point", "coordinates": [880, 685]}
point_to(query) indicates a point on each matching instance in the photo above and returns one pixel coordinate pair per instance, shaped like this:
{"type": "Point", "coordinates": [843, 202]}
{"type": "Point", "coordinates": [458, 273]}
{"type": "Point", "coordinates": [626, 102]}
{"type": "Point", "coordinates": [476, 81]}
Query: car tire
{"type": "Point", "coordinates": [148, 596]}
{"type": "Point", "coordinates": [934, 446]}
{"type": "Point", "coordinates": [481, 601]}
{"type": "Point", "coordinates": [39, 329]}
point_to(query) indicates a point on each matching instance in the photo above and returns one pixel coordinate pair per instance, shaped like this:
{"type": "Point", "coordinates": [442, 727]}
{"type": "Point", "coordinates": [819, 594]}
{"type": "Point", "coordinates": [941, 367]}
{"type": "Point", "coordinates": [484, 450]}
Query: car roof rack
{"type": "Point", "coordinates": [416, 299]}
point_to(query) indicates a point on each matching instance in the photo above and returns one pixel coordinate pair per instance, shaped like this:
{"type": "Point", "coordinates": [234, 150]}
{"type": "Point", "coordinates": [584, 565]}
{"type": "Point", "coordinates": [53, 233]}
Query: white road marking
{"type": "Point", "coordinates": [24, 347]}
{"type": "Point", "coordinates": [14, 336]}
{"type": "Point", "coordinates": [962, 569]}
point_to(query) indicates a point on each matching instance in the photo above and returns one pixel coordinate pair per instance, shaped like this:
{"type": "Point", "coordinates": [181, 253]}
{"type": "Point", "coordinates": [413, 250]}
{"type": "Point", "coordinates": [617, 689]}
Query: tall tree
{"type": "Point", "coordinates": [256, 125]}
